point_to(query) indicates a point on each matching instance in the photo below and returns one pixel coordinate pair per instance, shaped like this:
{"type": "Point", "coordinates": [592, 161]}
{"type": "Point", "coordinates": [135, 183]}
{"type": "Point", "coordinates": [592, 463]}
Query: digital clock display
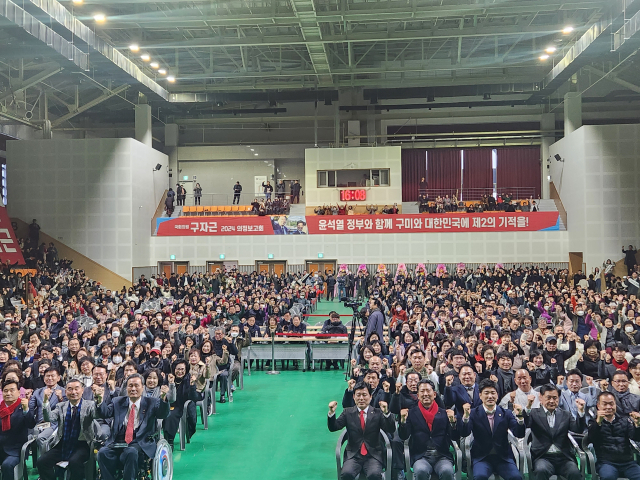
{"type": "Point", "coordinates": [353, 195]}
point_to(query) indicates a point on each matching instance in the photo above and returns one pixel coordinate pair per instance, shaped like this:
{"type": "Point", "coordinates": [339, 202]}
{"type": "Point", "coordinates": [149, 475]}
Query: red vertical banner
{"type": "Point", "coordinates": [9, 247]}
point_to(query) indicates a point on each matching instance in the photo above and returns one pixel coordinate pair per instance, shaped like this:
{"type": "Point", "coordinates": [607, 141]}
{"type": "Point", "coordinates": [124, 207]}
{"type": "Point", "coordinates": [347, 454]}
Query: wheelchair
{"type": "Point", "coordinates": [465, 445]}
{"type": "Point", "coordinates": [160, 467]}
{"type": "Point", "coordinates": [386, 468]}
{"type": "Point", "coordinates": [457, 461]}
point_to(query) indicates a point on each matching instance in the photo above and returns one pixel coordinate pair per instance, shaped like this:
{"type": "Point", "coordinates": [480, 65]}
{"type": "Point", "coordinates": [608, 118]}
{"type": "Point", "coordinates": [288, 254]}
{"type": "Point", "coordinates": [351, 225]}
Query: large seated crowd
{"type": "Point", "coordinates": [85, 369]}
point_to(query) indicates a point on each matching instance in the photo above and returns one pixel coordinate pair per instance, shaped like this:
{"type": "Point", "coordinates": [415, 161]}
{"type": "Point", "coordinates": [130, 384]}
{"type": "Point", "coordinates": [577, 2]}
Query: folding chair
{"type": "Point", "coordinates": [339, 455]}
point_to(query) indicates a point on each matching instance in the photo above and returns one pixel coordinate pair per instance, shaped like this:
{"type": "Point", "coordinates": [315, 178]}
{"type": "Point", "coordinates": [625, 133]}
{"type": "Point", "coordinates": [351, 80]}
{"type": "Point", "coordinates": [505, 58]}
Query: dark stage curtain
{"type": "Point", "coordinates": [477, 176]}
{"type": "Point", "coordinates": [414, 168]}
{"type": "Point", "coordinates": [519, 171]}
{"type": "Point", "coordinates": [443, 171]}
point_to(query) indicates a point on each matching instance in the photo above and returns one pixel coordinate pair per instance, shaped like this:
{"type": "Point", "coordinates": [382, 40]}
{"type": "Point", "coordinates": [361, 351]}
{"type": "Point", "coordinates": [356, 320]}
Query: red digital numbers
{"type": "Point", "coordinates": [353, 195]}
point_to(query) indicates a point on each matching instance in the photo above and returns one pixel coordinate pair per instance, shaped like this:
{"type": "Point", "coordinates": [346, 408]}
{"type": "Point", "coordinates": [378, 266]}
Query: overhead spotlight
{"type": "Point", "coordinates": [145, 57]}
{"type": "Point", "coordinates": [134, 47]}
{"type": "Point", "coordinates": [100, 17]}
{"type": "Point", "coordinates": [431, 97]}
{"type": "Point", "coordinates": [544, 57]}
{"type": "Point", "coordinates": [77, 2]}
{"type": "Point", "coordinates": [558, 158]}
{"type": "Point", "coordinates": [256, 154]}
{"type": "Point", "coordinates": [550, 49]}
{"type": "Point", "coordinates": [171, 79]}
{"type": "Point", "coordinates": [273, 103]}
{"type": "Point", "coordinates": [328, 102]}
{"type": "Point", "coordinates": [158, 167]}
{"type": "Point", "coordinates": [567, 30]}
{"type": "Point", "coordinates": [253, 150]}
{"type": "Point", "coordinates": [162, 71]}
{"type": "Point", "coordinates": [154, 65]}
{"type": "Point", "coordinates": [486, 96]}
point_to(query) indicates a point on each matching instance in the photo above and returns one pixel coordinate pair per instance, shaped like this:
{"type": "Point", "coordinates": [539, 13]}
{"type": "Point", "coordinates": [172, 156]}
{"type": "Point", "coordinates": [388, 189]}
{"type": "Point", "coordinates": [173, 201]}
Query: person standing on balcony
{"type": "Point", "coordinates": [197, 194]}
{"type": "Point", "coordinates": [237, 189]}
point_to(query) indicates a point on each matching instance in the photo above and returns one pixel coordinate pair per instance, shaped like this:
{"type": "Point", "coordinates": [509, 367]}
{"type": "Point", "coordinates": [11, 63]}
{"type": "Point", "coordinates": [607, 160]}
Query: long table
{"type": "Point", "coordinates": [296, 348]}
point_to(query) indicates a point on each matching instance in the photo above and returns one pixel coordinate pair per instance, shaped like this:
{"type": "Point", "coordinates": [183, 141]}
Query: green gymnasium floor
{"type": "Point", "coordinates": [276, 428]}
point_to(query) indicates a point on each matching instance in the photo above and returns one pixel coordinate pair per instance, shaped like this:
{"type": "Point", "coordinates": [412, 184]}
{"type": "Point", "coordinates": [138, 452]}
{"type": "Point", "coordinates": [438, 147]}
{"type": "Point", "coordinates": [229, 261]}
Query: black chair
{"type": "Point", "coordinates": [457, 461]}
{"type": "Point", "coordinates": [386, 473]}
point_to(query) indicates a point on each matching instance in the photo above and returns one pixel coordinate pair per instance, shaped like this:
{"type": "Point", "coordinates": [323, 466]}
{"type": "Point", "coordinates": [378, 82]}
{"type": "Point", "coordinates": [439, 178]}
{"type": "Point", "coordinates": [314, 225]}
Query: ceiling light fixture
{"type": "Point", "coordinates": [567, 30]}
{"type": "Point", "coordinates": [544, 57]}
{"type": "Point", "coordinates": [256, 154]}
{"type": "Point", "coordinates": [171, 79]}
{"type": "Point", "coordinates": [154, 65]}
{"type": "Point", "coordinates": [550, 49]}
{"type": "Point", "coordinates": [253, 150]}
{"type": "Point", "coordinates": [145, 57]}
{"type": "Point", "coordinates": [162, 71]}
{"type": "Point", "coordinates": [100, 17]}
{"type": "Point", "coordinates": [134, 47]}
{"type": "Point", "coordinates": [77, 2]}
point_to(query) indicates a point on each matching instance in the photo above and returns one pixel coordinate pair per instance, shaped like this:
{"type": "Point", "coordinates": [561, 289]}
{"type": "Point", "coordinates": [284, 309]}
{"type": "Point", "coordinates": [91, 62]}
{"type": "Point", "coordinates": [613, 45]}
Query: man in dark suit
{"type": "Point", "coordinates": [465, 392]}
{"type": "Point", "coordinates": [550, 446]}
{"type": "Point", "coordinates": [364, 451]}
{"type": "Point", "coordinates": [74, 419]}
{"type": "Point", "coordinates": [430, 430]}
{"type": "Point", "coordinates": [135, 423]}
{"type": "Point", "coordinates": [490, 424]}
{"type": "Point", "coordinates": [15, 419]}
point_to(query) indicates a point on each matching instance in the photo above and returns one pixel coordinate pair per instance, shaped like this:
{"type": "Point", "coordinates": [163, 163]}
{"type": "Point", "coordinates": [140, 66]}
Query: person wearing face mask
{"type": "Point", "coordinates": [399, 316]}
{"type": "Point", "coordinates": [629, 337]}
{"type": "Point", "coordinates": [156, 361]}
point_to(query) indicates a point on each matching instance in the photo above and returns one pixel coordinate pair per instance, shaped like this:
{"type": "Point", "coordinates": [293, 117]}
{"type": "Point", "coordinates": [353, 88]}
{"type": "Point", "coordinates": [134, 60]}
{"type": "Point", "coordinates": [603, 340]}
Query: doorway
{"type": "Point", "coordinates": [167, 268]}
{"type": "Point", "coordinates": [270, 267]}
{"type": "Point", "coordinates": [575, 262]}
{"type": "Point", "coordinates": [321, 266]}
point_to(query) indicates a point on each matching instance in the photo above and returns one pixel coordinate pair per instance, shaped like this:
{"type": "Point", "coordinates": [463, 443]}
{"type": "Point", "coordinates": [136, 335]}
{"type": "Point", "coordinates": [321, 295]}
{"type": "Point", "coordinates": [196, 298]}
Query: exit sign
{"type": "Point", "coordinates": [270, 256]}
{"type": "Point", "coordinates": [172, 257]}
{"type": "Point", "coordinates": [222, 256]}
{"type": "Point", "coordinates": [185, 177]}
{"type": "Point", "coordinates": [321, 255]}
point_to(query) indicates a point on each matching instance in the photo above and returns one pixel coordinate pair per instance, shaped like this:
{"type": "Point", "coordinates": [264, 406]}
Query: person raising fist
{"type": "Point", "coordinates": [426, 425]}
{"type": "Point", "coordinates": [364, 452]}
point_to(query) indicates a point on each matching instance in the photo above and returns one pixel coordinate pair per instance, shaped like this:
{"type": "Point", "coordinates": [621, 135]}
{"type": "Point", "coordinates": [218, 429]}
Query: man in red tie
{"type": "Point", "coordinates": [134, 431]}
{"type": "Point", "coordinates": [364, 450]}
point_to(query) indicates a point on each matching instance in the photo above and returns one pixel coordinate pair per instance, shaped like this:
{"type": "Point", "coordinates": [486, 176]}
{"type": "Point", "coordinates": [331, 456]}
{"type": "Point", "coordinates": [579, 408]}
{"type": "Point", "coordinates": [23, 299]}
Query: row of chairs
{"type": "Point", "coordinates": [199, 210]}
{"type": "Point", "coordinates": [462, 453]}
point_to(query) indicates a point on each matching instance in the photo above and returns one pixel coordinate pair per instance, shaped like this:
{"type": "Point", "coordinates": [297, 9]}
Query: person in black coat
{"type": "Point", "coordinates": [185, 390]}
{"type": "Point", "coordinates": [465, 392]}
{"type": "Point", "coordinates": [379, 393]}
{"type": "Point", "coordinates": [551, 450]}
{"type": "Point", "coordinates": [364, 452]}
{"type": "Point", "coordinates": [429, 430]}
{"type": "Point", "coordinates": [610, 435]}
{"type": "Point", "coordinates": [16, 420]}
{"type": "Point", "coordinates": [491, 452]}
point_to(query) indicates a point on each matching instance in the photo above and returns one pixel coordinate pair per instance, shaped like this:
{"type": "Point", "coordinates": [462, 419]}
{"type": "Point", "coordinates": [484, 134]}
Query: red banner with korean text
{"type": "Point", "coordinates": [463, 222]}
{"type": "Point", "coordinates": [340, 224]}
{"type": "Point", "coordinates": [9, 248]}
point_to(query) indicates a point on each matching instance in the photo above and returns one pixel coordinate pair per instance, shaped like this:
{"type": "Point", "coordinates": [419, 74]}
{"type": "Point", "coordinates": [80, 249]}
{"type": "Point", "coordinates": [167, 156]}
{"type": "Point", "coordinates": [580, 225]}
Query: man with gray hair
{"type": "Point", "coordinates": [135, 425]}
